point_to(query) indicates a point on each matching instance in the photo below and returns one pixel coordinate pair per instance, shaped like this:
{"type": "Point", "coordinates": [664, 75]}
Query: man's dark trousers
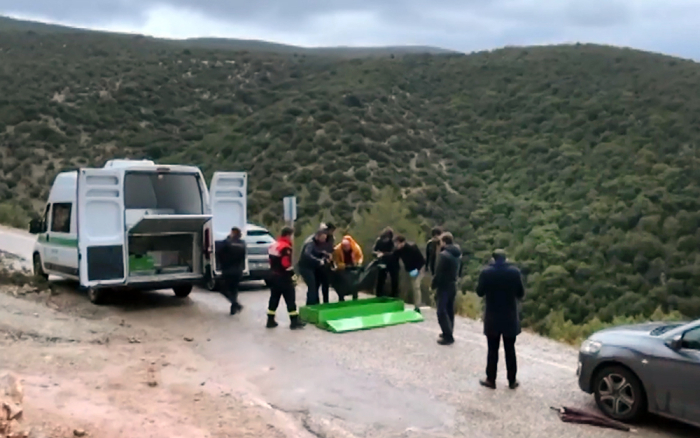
{"type": "Point", "coordinates": [323, 281]}
{"type": "Point", "coordinates": [230, 282]}
{"type": "Point", "coordinates": [309, 276]}
{"type": "Point", "coordinates": [392, 269]}
{"type": "Point", "coordinates": [446, 312]}
{"type": "Point", "coordinates": [494, 342]}
{"type": "Point", "coordinates": [282, 287]}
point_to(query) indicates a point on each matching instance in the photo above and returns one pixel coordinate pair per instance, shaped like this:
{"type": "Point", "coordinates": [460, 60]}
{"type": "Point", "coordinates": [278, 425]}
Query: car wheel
{"type": "Point", "coordinates": [183, 290]}
{"type": "Point", "coordinates": [97, 296]}
{"type": "Point", "coordinates": [619, 394]}
{"type": "Point", "coordinates": [212, 284]}
{"type": "Point", "coordinates": [38, 269]}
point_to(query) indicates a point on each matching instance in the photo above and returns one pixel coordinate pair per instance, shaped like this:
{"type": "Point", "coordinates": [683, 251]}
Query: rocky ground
{"type": "Point", "coordinates": [89, 375]}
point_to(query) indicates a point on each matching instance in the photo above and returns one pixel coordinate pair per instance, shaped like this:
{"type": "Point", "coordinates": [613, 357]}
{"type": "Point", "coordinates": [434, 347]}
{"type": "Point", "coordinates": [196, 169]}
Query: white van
{"type": "Point", "coordinates": [136, 224]}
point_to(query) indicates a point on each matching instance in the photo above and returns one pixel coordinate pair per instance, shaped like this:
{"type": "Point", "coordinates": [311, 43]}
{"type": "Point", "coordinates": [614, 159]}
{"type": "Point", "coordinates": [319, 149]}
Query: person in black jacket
{"type": "Point", "coordinates": [447, 272]}
{"type": "Point", "coordinates": [322, 273]}
{"type": "Point", "coordinates": [432, 249]}
{"type": "Point", "coordinates": [413, 262]}
{"type": "Point", "coordinates": [384, 250]}
{"type": "Point", "coordinates": [501, 285]}
{"type": "Point", "coordinates": [231, 254]}
{"type": "Point", "coordinates": [313, 258]}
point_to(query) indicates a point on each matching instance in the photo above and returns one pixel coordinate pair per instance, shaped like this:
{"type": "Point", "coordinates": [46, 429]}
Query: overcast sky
{"type": "Point", "coordinates": [668, 26]}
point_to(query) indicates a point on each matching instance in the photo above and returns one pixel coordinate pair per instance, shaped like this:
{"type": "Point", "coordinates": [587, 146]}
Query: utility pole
{"type": "Point", "coordinates": [290, 210]}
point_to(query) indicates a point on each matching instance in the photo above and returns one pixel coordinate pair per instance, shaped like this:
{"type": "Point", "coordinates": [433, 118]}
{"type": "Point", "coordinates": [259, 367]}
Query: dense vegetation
{"type": "Point", "coordinates": [581, 160]}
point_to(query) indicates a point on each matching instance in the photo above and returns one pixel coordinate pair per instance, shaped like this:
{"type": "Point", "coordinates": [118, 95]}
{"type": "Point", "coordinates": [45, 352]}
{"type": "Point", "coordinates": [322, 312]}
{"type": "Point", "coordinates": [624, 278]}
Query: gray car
{"type": "Point", "coordinates": [652, 367]}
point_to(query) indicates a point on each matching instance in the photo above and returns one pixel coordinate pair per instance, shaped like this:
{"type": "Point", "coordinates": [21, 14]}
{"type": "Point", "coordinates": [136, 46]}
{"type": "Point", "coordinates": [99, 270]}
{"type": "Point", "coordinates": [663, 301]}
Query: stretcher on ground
{"type": "Point", "coordinates": [358, 314]}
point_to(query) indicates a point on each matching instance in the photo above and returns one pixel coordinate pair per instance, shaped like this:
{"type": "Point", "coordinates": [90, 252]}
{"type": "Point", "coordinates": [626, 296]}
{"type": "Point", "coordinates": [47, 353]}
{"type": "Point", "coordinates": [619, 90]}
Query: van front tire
{"type": "Point", "coordinates": [38, 269]}
{"type": "Point", "coordinates": [182, 291]}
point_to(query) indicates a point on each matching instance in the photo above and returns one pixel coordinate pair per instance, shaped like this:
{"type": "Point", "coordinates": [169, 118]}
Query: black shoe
{"type": "Point", "coordinates": [239, 306]}
{"type": "Point", "coordinates": [445, 341]}
{"type": "Point", "coordinates": [234, 309]}
{"type": "Point", "coordinates": [487, 384]}
{"type": "Point", "coordinates": [296, 323]}
{"type": "Point", "coordinates": [271, 323]}
{"type": "Point", "coordinates": [417, 309]}
{"type": "Point", "coordinates": [513, 384]}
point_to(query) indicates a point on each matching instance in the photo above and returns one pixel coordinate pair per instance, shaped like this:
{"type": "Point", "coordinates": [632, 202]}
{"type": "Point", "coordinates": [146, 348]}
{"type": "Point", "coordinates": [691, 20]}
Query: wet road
{"type": "Point", "coordinates": [391, 382]}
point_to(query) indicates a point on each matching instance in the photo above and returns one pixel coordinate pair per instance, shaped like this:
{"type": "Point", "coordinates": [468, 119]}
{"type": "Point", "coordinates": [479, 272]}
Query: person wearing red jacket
{"type": "Point", "coordinates": [282, 280]}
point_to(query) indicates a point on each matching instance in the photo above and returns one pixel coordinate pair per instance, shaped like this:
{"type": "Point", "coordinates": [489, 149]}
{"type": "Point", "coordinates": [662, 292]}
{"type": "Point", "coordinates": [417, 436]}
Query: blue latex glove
{"type": "Point", "coordinates": [413, 273]}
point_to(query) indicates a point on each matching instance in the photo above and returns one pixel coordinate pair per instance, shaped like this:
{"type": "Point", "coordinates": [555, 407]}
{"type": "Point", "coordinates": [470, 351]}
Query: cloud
{"type": "Point", "coordinates": [464, 25]}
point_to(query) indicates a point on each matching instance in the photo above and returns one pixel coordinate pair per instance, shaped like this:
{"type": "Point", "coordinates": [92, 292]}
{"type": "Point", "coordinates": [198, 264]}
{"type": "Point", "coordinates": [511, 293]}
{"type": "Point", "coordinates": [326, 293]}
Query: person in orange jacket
{"type": "Point", "coordinates": [347, 254]}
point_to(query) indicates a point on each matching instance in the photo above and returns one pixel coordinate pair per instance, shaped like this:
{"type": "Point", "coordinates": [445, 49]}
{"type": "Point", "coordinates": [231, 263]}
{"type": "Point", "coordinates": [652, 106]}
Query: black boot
{"type": "Point", "coordinates": [271, 323]}
{"type": "Point", "coordinates": [296, 323]}
{"type": "Point", "coordinates": [490, 384]}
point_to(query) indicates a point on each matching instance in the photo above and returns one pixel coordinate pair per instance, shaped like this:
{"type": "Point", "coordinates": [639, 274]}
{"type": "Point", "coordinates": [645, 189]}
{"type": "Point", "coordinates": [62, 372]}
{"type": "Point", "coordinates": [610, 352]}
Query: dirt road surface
{"type": "Point", "coordinates": [153, 365]}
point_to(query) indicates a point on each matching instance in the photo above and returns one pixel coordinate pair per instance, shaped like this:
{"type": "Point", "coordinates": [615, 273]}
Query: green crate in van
{"type": "Point", "coordinates": [139, 263]}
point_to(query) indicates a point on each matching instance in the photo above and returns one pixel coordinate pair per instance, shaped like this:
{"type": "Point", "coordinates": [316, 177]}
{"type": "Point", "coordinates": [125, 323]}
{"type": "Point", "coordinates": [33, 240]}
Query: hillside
{"type": "Point", "coordinates": [14, 25]}
{"type": "Point", "coordinates": [582, 160]}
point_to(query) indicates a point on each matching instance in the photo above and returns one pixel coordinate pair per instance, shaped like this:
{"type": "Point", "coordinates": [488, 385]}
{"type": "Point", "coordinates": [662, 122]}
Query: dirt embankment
{"type": "Point", "coordinates": [72, 369]}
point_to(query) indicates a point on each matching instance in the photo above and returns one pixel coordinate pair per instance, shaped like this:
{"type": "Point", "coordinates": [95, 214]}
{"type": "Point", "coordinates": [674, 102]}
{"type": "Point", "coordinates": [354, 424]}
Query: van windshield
{"type": "Point", "coordinates": [163, 193]}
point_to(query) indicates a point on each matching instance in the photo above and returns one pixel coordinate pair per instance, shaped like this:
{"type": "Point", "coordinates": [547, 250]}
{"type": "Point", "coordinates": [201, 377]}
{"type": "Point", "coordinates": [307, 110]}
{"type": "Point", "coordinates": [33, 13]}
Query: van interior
{"type": "Point", "coordinates": [159, 245]}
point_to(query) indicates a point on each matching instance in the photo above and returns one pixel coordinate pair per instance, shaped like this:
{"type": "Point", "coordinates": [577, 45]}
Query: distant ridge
{"type": "Point", "coordinates": [8, 24]}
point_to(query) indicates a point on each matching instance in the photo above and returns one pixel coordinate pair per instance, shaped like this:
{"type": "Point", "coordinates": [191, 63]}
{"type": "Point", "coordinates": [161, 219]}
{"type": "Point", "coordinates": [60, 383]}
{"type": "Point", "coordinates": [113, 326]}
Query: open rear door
{"type": "Point", "coordinates": [101, 226]}
{"type": "Point", "coordinates": [228, 196]}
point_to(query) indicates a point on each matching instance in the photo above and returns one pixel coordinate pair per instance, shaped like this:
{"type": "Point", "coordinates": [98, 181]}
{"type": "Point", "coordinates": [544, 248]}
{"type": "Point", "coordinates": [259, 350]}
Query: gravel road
{"type": "Point", "coordinates": [154, 365]}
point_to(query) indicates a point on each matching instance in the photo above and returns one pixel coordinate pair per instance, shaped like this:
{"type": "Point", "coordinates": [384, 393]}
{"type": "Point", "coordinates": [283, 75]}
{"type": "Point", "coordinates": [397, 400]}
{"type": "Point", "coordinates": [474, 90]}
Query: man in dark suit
{"type": "Point", "coordinates": [501, 285]}
{"type": "Point", "coordinates": [447, 272]}
{"type": "Point", "coordinates": [231, 254]}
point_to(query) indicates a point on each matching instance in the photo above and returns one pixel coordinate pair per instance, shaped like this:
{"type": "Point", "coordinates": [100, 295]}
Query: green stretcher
{"type": "Point", "coordinates": [356, 315]}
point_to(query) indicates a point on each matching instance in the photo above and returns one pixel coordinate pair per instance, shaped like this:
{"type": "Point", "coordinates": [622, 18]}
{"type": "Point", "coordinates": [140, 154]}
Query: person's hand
{"type": "Point", "coordinates": [413, 273]}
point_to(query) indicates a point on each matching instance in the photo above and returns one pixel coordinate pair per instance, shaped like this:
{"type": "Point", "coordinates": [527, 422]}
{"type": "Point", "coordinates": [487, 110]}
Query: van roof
{"type": "Point", "coordinates": [125, 163]}
{"type": "Point", "coordinates": [64, 186]}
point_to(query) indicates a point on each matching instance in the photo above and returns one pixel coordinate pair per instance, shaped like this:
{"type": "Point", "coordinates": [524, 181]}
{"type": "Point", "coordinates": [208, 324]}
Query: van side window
{"type": "Point", "coordinates": [60, 219]}
{"type": "Point", "coordinates": [45, 224]}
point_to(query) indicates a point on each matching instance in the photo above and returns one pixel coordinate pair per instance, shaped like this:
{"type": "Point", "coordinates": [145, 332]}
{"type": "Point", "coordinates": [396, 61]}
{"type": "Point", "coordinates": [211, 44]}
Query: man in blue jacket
{"type": "Point", "coordinates": [501, 285]}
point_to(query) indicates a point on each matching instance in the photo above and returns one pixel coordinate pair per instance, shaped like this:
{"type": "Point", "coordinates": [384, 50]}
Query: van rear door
{"type": "Point", "coordinates": [101, 233]}
{"type": "Point", "coordinates": [228, 197]}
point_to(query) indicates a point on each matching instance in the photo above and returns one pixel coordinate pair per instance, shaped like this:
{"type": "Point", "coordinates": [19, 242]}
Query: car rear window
{"type": "Point", "coordinates": [255, 236]}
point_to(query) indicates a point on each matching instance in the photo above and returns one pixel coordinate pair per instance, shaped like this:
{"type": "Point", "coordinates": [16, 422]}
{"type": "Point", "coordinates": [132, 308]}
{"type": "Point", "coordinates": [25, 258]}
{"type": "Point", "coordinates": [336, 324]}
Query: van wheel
{"type": "Point", "coordinates": [97, 296]}
{"type": "Point", "coordinates": [38, 270]}
{"type": "Point", "coordinates": [182, 291]}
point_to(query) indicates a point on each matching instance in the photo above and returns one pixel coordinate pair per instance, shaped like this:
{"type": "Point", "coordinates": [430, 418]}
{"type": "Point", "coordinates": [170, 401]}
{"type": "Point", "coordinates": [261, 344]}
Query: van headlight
{"type": "Point", "coordinates": [591, 347]}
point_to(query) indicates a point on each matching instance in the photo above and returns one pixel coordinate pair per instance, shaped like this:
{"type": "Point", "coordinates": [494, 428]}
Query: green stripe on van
{"type": "Point", "coordinates": [58, 241]}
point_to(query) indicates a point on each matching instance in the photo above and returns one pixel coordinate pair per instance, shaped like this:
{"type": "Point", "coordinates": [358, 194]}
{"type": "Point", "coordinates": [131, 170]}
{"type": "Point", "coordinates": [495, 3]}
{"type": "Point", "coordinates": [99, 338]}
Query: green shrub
{"type": "Point", "coordinates": [13, 215]}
